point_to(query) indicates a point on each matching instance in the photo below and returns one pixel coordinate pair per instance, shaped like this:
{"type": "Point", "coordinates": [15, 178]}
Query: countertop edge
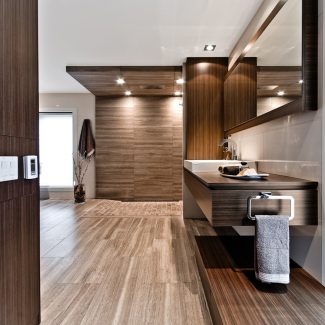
{"type": "Point", "coordinates": [295, 185]}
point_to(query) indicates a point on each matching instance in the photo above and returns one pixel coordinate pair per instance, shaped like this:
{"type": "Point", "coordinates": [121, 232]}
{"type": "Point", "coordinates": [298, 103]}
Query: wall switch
{"type": "Point", "coordinates": [30, 167]}
{"type": "Point", "coordinates": [8, 168]}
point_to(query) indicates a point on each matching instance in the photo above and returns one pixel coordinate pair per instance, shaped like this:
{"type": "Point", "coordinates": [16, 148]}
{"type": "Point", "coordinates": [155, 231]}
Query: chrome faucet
{"type": "Point", "coordinates": [233, 147]}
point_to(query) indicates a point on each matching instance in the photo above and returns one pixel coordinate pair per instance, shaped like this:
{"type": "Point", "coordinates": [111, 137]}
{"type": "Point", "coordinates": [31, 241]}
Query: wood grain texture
{"type": "Point", "coordinates": [234, 295]}
{"type": "Point", "coordinates": [230, 207]}
{"type": "Point", "coordinates": [310, 54]}
{"type": "Point", "coordinates": [204, 107]}
{"type": "Point", "coordinates": [241, 94]}
{"type": "Point", "coordinates": [214, 180]}
{"type": "Point", "coordinates": [139, 148]}
{"type": "Point", "coordinates": [285, 78]}
{"type": "Point", "coordinates": [19, 199]}
{"type": "Point", "coordinates": [201, 193]}
{"type": "Point", "coordinates": [225, 202]}
{"type": "Point", "coordinates": [111, 262]}
{"type": "Point", "coordinates": [140, 80]}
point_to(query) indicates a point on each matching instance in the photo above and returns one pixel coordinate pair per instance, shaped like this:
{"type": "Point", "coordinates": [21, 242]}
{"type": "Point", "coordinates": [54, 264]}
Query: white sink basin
{"type": "Point", "coordinates": [211, 165]}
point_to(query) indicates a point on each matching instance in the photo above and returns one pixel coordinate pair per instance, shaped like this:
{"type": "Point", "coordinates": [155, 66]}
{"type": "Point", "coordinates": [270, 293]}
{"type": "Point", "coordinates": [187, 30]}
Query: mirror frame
{"type": "Point", "coordinates": [308, 101]}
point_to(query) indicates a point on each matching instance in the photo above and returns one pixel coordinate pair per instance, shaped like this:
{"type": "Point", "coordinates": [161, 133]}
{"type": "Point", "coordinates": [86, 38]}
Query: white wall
{"type": "Point", "coordinates": [293, 146]}
{"type": "Point", "coordinates": [83, 107]}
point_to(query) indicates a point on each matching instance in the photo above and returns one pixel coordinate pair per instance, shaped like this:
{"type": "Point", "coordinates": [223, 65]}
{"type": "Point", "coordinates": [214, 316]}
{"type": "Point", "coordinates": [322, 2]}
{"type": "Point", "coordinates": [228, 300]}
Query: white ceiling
{"type": "Point", "coordinates": [133, 32]}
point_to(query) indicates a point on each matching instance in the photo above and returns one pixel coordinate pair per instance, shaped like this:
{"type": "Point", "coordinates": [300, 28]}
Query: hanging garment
{"type": "Point", "coordinates": [87, 145]}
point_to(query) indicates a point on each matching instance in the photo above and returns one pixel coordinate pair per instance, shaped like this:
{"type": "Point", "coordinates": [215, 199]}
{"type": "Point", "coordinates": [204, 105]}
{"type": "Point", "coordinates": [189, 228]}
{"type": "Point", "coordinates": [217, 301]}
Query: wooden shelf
{"type": "Point", "coordinates": [234, 295]}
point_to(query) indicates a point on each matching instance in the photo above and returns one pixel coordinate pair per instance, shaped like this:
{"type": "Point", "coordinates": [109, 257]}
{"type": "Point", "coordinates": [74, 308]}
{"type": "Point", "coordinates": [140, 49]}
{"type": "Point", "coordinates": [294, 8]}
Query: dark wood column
{"type": "Point", "coordinates": [204, 107]}
{"type": "Point", "coordinates": [19, 199]}
{"type": "Point", "coordinates": [240, 93]}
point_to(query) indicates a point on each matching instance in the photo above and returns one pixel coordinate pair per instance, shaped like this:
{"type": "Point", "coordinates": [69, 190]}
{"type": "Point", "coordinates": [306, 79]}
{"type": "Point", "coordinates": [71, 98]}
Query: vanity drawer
{"type": "Point", "coordinates": [229, 207]}
{"type": "Point", "coordinates": [227, 204]}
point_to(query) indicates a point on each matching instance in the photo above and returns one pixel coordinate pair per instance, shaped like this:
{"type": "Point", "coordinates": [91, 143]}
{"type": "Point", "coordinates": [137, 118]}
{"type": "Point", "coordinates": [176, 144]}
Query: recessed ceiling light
{"type": "Point", "coordinates": [209, 47]}
{"type": "Point", "coordinates": [178, 93]}
{"type": "Point", "coordinates": [180, 81]}
{"type": "Point", "coordinates": [301, 81]}
{"type": "Point", "coordinates": [120, 81]}
{"type": "Point", "coordinates": [280, 93]}
{"type": "Point", "coordinates": [128, 93]}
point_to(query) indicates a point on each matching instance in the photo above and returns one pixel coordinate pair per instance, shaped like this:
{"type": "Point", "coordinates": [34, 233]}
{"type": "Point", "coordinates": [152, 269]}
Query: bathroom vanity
{"type": "Point", "coordinates": [226, 260]}
{"type": "Point", "coordinates": [224, 201]}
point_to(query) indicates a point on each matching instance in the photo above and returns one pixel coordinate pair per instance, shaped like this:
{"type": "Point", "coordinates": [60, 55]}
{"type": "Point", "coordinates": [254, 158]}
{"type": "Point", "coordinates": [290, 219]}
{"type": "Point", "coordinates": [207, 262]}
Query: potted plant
{"type": "Point", "coordinates": [80, 165]}
{"type": "Point", "coordinates": [86, 152]}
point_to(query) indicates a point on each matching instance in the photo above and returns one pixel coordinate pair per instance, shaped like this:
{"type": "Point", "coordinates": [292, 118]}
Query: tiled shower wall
{"type": "Point", "coordinates": [289, 146]}
{"type": "Point", "coordinates": [139, 148]}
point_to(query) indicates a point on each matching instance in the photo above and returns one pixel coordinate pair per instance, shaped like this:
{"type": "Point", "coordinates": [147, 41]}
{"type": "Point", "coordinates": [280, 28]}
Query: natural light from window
{"type": "Point", "coordinates": [56, 148]}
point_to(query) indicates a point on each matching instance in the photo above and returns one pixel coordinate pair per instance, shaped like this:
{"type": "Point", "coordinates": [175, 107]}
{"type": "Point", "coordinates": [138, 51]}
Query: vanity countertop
{"type": "Point", "coordinates": [215, 181]}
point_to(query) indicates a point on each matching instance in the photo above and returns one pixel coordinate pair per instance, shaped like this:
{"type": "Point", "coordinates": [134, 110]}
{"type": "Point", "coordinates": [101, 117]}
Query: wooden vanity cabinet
{"type": "Point", "coordinates": [224, 201]}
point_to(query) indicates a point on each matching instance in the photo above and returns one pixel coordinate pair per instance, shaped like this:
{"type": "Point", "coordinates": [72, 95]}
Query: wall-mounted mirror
{"type": "Point", "coordinates": [279, 59]}
{"type": "Point", "coordinates": [283, 80]}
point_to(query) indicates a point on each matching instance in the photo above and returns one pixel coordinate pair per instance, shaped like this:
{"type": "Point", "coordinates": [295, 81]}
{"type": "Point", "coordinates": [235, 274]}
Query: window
{"type": "Point", "coordinates": [56, 148]}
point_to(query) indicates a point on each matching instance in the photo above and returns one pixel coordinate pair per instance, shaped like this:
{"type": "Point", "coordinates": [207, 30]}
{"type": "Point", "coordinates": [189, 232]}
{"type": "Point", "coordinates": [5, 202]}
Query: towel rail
{"type": "Point", "coordinates": [269, 196]}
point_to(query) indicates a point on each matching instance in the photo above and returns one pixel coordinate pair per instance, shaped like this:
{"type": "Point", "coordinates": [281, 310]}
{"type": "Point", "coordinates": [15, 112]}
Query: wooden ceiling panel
{"type": "Point", "coordinates": [271, 80]}
{"type": "Point", "coordinates": [141, 81]}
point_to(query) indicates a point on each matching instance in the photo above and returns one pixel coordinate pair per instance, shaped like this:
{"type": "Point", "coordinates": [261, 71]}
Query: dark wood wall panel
{"type": "Point", "coordinates": [240, 93]}
{"type": "Point", "coordinates": [19, 199]}
{"type": "Point", "coordinates": [139, 148]}
{"type": "Point", "coordinates": [310, 54]}
{"type": "Point", "coordinates": [204, 107]}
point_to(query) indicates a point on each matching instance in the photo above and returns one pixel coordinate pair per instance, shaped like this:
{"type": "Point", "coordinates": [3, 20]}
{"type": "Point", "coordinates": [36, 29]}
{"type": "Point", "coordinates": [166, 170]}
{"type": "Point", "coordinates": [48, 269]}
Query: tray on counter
{"type": "Point", "coordinates": [247, 177]}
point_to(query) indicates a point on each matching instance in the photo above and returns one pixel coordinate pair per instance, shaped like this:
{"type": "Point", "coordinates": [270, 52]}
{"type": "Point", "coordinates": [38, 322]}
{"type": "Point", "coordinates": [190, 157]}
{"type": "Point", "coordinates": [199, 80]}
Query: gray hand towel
{"type": "Point", "coordinates": [272, 261]}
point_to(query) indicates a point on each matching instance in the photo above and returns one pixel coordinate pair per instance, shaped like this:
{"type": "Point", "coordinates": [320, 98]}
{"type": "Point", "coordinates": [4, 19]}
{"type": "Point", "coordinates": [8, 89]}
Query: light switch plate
{"type": "Point", "coordinates": [8, 168]}
{"type": "Point", "coordinates": [30, 167]}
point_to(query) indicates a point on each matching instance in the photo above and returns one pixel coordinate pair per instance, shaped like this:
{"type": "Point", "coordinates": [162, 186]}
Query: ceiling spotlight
{"type": "Point", "coordinates": [301, 81]}
{"type": "Point", "coordinates": [128, 93]}
{"type": "Point", "coordinates": [120, 81]}
{"type": "Point", "coordinates": [209, 47]}
{"type": "Point", "coordinates": [178, 93]}
{"type": "Point", "coordinates": [180, 81]}
{"type": "Point", "coordinates": [280, 93]}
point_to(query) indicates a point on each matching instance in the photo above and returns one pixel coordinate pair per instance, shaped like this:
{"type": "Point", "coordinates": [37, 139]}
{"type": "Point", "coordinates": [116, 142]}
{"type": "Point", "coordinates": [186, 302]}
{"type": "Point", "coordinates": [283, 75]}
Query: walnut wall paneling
{"type": "Point", "coordinates": [19, 200]}
{"type": "Point", "coordinates": [139, 148]}
{"type": "Point", "coordinates": [310, 54]}
{"type": "Point", "coordinates": [241, 94]}
{"type": "Point", "coordinates": [204, 92]}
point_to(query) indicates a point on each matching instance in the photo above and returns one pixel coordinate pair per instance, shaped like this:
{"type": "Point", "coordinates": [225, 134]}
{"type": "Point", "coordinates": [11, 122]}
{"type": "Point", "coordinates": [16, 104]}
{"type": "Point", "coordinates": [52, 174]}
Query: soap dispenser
{"type": "Point", "coordinates": [226, 153]}
{"type": "Point", "coordinates": [229, 149]}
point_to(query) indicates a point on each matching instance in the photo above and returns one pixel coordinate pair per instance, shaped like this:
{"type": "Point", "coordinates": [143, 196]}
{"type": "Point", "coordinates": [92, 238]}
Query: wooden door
{"type": "Point", "coordinates": [19, 199]}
